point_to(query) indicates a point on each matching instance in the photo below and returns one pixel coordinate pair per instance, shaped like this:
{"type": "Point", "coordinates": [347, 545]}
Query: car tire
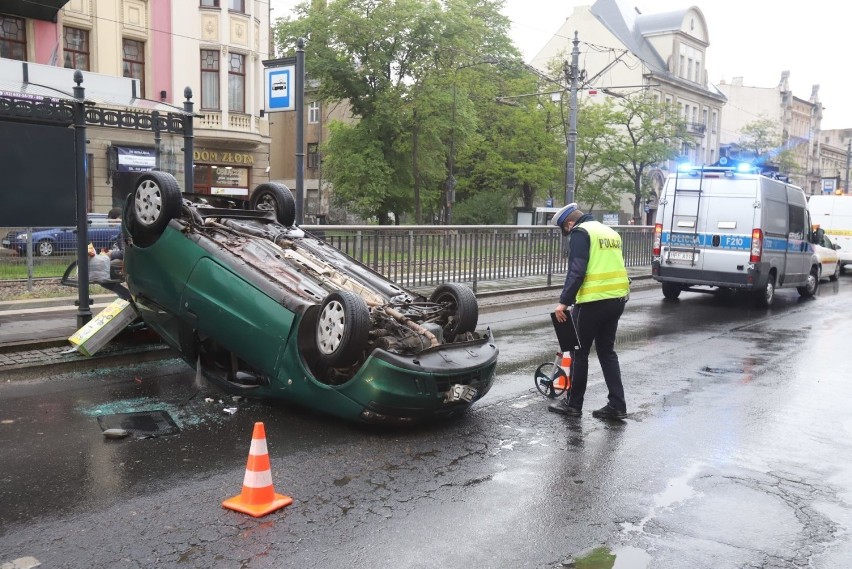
{"type": "Point", "coordinates": [156, 200]}
{"type": "Point", "coordinates": [45, 248]}
{"type": "Point", "coordinates": [764, 297]}
{"type": "Point", "coordinates": [671, 290]}
{"type": "Point", "coordinates": [836, 274]}
{"type": "Point", "coordinates": [277, 197]}
{"type": "Point", "coordinates": [811, 288]}
{"type": "Point", "coordinates": [342, 329]}
{"type": "Point", "coordinates": [463, 308]}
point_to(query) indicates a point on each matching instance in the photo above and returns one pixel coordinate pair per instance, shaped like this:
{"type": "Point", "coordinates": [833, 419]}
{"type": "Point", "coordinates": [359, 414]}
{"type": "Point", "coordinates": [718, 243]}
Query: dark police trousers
{"type": "Point", "coordinates": [597, 322]}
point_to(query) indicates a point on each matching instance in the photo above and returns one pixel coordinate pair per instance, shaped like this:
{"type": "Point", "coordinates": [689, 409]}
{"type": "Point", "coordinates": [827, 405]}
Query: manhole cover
{"type": "Point", "coordinates": [140, 424]}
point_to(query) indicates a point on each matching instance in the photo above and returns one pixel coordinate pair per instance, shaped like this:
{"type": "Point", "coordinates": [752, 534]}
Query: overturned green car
{"type": "Point", "coordinates": [262, 308]}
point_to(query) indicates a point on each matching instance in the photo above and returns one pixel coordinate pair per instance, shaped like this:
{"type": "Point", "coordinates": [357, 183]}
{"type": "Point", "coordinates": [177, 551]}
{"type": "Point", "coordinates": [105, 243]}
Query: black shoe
{"type": "Point", "coordinates": [607, 412]}
{"type": "Point", "coordinates": [562, 408]}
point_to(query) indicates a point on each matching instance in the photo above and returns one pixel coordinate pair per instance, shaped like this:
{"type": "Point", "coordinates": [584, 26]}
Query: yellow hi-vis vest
{"type": "Point", "coordinates": [606, 276]}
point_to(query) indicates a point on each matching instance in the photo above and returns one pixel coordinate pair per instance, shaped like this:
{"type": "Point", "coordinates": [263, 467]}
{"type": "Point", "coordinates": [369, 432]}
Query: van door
{"type": "Point", "coordinates": [798, 251]}
{"type": "Point", "coordinates": [727, 225]}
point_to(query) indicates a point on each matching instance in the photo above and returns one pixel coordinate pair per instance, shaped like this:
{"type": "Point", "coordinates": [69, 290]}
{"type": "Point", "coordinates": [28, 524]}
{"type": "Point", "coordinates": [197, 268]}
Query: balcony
{"type": "Point", "coordinates": [696, 128]}
{"type": "Point", "coordinates": [213, 120]}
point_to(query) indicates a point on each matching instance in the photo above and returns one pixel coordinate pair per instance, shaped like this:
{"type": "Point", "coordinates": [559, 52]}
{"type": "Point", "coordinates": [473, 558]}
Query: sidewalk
{"type": "Point", "coordinates": [34, 333]}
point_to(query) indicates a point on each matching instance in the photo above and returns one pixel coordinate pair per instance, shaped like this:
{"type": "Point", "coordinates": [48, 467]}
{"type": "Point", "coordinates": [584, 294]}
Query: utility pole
{"type": "Point", "coordinates": [573, 75]}
{"type": "Point", "coordinates": [848, 155]}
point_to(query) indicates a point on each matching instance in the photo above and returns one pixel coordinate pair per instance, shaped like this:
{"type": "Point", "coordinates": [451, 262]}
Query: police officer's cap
{"type": "Point", "coordinates": [560, 216]}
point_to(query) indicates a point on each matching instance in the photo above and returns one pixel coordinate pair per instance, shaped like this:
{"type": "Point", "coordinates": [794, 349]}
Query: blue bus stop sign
{"type": "Point", "coordinates": [279, 88]}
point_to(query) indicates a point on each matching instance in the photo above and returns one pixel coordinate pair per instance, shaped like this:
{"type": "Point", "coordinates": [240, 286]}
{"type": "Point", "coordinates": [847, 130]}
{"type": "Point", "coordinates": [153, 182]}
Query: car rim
{"type": "Point", "coordinates": [770, 292]}
{"type": "Point", "coordinates": [149, 202]}
{"type": "Point", "coordinates": [266, 203]}
{"type": "Point", "coordinates": [45, 249]}
{"type": "Point", "coordinates": [812, 280]}
{"type": "Point", "coordinates": [332, 323]}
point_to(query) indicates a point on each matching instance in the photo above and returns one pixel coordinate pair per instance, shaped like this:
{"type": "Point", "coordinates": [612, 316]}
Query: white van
{"type": "Point", "coordinates": [733, 228]}
{"type": "Point", "coordinates": [833, 214]}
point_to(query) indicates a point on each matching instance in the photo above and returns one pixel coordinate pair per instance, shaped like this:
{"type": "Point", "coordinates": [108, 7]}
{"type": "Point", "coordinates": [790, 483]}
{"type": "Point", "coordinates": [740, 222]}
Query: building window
{"type": "Point", "coordinates": [698, 78]}
{"type": "Point", "coordinates": [237, 83]}
{"type": "Point", "coordinates": [713, 124]}
{"type": "Point", "coordinates": [76, 46]}
{"type": "Point", "coordinates": [689, 69]}
{"type": "Point", "coordinates": [134, 62]}
{"type": "Point", "coordinates": [314, 113]}
{"type": "Point", "coordinates": [13, 38]}
{"type": "Point", "coordinates": [237, 5]}
{"type": "Point", "coordinates": [682, 69]}
{"type": "Point", "coordinates": [210, 79]}
{"type": "Point", "coordinates": [313, 155]}
{"type": "Point", "coordinates": [210, 3]}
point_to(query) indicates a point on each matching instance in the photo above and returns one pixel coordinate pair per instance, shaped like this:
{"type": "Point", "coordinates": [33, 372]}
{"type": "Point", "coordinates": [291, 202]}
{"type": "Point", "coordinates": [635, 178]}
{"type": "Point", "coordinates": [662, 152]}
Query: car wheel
{"type": "Point", "coordinates": [342, 329]}
{"type": "Point", "coordinates": [810, 289]}
{"type": "Point", "coordinates": [671, 290]}
{"type": "Point", "coordinates": [277, 198]}
{"type": "Point", "coordinates": [836, 274]}
{"type": "Point", "coordinates": [156, 201]}
{"type": "Point", "coordinates": [763, 298]}
{"type": "Point", "coordinates": [462, 307]}
{"type": "Point", "coordinates": [45, 248]}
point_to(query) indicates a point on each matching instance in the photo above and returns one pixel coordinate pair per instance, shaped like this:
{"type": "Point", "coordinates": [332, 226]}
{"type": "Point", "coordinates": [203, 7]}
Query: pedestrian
{"type": "Point", "coordinates": [597, 288]}
{"type": "Point", "coordinates": [99, 273]}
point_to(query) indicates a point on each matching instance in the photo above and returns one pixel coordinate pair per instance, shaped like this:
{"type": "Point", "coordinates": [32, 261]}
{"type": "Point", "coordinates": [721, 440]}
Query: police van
{"type": "Point", "coordinates": [833, 214]}
{"type": "Point", "coordinates": [733, 228]}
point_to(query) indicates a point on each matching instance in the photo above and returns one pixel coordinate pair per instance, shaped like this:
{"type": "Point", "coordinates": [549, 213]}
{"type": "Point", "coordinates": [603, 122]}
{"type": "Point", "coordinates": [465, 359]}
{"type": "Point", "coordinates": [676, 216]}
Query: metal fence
{"type": "Point", "coordinates": [423, 255]}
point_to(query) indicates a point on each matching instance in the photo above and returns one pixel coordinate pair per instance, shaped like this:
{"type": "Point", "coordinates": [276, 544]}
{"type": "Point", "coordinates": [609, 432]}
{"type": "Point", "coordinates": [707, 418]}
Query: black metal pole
{"type": "Point", "coordinates": [571, 161]}
{"type": "Point", "coordinates": [84, 312]}
{"type": "Point", "coordinates": [188, 143]}
{"type": "Point", "coordinates": [158, 138]}
{"type": "Point", "coordinates": [300, 131]}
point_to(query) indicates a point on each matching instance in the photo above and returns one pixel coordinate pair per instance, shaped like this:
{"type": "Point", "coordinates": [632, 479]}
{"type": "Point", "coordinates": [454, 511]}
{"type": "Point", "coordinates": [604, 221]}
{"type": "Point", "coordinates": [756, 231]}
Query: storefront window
{"type": "Point", "coordinates": [221, 180]}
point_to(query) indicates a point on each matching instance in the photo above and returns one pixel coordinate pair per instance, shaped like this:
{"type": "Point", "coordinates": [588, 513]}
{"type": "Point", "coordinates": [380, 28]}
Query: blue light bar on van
{"type": "Point", "coordinates": [685, 167]}
{"type": "Point", "coordinates": [746, 168]}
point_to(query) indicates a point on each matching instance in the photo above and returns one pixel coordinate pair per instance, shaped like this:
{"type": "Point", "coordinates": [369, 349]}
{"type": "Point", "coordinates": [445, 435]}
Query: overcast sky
{"type": "Point", "coordinates": [752, 39]}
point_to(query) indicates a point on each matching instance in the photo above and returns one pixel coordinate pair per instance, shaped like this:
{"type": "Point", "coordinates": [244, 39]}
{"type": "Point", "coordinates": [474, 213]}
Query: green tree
{"type": "Point", "coordinates": [646, 133]}
{"type": "Point", "coordinates": [597, 183]}
{"type": "Point", "coordinates": [517, 150]}
{"type": "Point", "coordinates": [761, 138]}
{"type": "Point", "coordinates": [391, 62]}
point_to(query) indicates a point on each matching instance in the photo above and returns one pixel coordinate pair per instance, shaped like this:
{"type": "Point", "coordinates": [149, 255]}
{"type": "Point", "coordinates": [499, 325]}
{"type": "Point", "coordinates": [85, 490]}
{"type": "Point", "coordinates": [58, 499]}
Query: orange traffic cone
{"type": "Point", "coordinates": [258, 497]}
{"type": "Point", "coordinates": [563, 382]}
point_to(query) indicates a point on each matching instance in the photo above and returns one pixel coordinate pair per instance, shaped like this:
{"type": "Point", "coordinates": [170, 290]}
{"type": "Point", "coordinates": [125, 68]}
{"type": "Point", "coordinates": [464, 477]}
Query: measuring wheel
{"type": "Point", "coordinates": [550, 380]}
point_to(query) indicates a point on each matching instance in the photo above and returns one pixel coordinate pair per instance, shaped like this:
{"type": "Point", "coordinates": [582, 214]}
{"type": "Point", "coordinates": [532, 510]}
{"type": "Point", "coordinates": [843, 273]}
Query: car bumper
{"type": "Point", "coordinates": [390, 388]}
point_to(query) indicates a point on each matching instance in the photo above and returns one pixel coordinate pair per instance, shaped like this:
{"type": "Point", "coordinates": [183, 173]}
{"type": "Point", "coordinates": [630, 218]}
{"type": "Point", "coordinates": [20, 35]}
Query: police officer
{"type": "Point", "coordinates": [597, 287]}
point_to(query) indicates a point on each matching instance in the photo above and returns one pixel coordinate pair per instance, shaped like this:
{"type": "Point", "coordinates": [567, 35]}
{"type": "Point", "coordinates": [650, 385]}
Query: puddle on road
{"type": "Point", "coordinates": [677, 491]}
{"type": "Point", "coordinates": [618, 558]}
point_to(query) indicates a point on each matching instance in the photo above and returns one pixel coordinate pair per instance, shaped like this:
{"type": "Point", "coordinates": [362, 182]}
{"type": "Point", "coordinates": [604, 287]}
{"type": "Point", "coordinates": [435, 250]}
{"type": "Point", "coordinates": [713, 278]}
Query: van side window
{"type": "Point", "coordinates": [797, 222]}
{"type": "Point", "coordinates": [776, 217]}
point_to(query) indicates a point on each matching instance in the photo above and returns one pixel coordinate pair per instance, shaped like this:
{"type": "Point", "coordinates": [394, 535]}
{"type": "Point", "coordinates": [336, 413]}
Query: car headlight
{"type": "Point", "coordinates": [22, 237]}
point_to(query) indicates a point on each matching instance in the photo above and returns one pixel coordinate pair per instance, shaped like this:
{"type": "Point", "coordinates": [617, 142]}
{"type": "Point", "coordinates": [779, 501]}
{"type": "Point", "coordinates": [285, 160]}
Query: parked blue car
{"type": "Point", "coordinates": [103, 233]}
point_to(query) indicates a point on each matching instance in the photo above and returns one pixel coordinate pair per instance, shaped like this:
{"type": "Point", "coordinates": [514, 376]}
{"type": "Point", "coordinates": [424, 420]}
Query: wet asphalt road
{"type": "Point", "coordinates": [736, 453]}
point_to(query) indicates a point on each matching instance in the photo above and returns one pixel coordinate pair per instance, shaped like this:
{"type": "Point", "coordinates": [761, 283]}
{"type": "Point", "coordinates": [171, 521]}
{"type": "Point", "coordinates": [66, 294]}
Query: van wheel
{"type": "Point", "coordinates": [763, 298]}
{"type": "Point", "coordinates": [810, 289]}
{"type": "Point", "coordinates": [836, 274]}
{"type": "Point", "coordinates": [671, 290]}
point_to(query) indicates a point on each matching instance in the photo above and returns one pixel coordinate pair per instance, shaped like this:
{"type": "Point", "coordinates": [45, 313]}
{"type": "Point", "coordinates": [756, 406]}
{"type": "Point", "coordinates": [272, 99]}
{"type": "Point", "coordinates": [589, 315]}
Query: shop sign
{"type": "Point", "coordinates": [229, 191]}
{"type": "Point", "coordinates": [223, 157]}
{"type": "Point", "coordinates": [132, 159]}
